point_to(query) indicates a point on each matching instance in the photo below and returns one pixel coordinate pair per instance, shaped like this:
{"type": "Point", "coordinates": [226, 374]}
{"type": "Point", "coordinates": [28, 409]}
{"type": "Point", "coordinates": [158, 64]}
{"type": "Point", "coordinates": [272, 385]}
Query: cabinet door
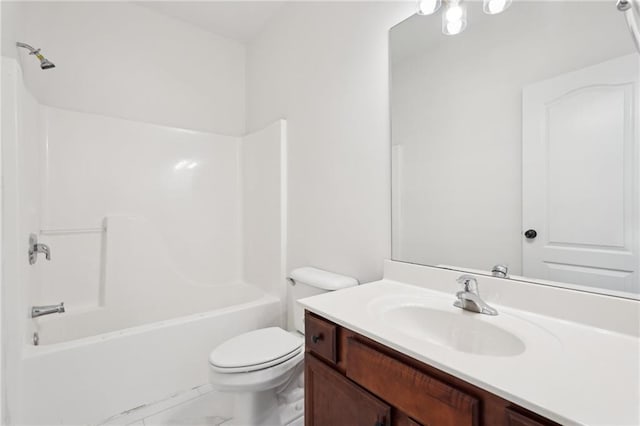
{"type": "Point", "coordinates": [331, 399]}
{"type": "Point", "coordinates": [513, 418]}
{"type": "Point", "coordinates": [424, 398]}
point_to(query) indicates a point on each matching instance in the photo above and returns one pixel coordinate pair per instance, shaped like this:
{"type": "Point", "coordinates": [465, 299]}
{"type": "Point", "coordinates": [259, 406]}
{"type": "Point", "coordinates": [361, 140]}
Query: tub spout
{"type": "Point", "coordinates": [38, 311]}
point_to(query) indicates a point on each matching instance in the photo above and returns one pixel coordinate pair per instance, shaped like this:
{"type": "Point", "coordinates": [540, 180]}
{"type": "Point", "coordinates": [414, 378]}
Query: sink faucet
{"type": "Point", "coordinates": [469, 298]}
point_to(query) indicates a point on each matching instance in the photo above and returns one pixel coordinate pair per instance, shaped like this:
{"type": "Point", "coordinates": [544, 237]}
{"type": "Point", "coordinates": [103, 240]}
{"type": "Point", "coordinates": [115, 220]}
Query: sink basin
{"type": "Point", "coordinates": [462, 331]}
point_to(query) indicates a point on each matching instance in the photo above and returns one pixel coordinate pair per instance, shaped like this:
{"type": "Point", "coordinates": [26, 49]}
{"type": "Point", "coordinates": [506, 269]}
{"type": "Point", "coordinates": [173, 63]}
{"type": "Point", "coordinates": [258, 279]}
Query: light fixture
{"type": "Point", "coordinates": [493, 7]}
{"type": "Point", "coordinates": [454, 18]}
{"type": "Point", "coordinates": [428, 7]}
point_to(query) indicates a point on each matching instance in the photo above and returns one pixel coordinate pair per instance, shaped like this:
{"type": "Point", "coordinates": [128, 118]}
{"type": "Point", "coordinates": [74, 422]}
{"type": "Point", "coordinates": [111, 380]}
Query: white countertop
{"type": "Point", "coordinates": [572, 373]}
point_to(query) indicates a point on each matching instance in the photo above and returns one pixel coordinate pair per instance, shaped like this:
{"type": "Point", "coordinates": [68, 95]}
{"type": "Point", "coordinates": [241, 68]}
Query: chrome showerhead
{"type": "Point", "coordinates": [45, 64]}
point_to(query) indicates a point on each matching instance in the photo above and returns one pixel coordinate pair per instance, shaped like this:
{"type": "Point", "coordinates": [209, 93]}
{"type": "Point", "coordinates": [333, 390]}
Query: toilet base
{"type": "Point", "coordinates": [256, 409]}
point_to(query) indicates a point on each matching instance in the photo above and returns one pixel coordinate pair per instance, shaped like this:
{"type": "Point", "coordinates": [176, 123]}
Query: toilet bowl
{"type": "Point", "coordinates": [258, 365]}
{"type": "Point", "coordinates": [256, 361]}
{"type": "Point", "coordinates": [254, 366]}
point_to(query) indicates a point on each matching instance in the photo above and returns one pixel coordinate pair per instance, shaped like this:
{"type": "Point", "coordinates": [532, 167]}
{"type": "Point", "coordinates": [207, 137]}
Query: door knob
{"type": "Point", "coordinates": [530, 234]}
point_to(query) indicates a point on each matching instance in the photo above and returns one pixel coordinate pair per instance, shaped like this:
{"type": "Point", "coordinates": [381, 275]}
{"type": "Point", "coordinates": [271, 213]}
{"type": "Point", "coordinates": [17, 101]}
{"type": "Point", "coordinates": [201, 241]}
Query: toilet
{"type": "Point", "coordinates": [263, 366]}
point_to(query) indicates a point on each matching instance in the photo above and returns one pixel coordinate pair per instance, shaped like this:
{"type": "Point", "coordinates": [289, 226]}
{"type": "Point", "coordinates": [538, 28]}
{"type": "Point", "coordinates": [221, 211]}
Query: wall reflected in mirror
{"type": "Point", "coordinates": [515, 143]}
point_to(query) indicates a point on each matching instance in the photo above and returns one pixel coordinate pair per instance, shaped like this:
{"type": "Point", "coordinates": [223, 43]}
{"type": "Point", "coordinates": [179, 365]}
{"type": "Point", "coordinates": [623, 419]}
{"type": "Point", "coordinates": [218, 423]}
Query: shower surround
{"type": "Point", "coordinates": [164, 242]}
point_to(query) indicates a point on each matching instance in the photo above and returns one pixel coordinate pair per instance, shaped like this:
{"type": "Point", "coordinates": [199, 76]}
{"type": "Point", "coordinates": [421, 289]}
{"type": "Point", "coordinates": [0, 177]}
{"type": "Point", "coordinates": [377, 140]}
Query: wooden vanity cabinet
{"type": "Point", "coordinates": [351, 380]}
{"type": "Point", "coordinates": [332, 399]}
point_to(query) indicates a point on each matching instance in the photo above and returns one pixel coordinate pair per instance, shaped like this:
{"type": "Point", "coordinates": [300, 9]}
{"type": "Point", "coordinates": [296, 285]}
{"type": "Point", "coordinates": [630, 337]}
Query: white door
{"type": "Point", "coordinates": [580, 176]}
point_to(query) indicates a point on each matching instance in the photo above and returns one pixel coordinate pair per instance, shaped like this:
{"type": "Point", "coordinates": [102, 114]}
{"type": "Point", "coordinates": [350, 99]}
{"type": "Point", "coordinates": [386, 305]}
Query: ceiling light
{"type": "Point", "coordinates": [453, 28]}
{"type": "Point", "coordinates": [493, 7]}
{"type": "Point", "coordinates": [454, 19]}
{"type": "Point", "coordinates": [453, 13]}
{"type": "Point", "coordinates": [428, 7]}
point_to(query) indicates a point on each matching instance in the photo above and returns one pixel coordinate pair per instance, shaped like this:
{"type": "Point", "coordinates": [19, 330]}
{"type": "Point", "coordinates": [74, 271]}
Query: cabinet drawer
{"type": "Point", "coordinates": [422, 397]}
{"type": "Point", "coordinates": [320, 338]}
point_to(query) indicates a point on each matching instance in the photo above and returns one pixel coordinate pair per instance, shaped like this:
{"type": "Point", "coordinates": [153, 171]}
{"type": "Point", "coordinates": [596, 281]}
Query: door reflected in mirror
{"type": "Point", "coordinates": [515, 145]}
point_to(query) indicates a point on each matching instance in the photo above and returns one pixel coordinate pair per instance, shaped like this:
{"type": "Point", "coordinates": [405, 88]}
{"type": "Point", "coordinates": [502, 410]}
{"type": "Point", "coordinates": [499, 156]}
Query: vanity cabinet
{"type": "Point", "coordinates": [336, 400]}
{"type": "Point", "coordinates": [352, 380]}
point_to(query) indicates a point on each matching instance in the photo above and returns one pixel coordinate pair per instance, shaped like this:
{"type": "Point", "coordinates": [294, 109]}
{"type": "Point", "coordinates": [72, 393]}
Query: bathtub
{"type": "Point", "coordinates": [79, 381]}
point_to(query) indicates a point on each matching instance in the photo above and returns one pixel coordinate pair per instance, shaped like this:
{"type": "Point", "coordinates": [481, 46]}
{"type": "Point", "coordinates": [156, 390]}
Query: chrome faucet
{"type": "Point", "coordinates": [469, 298]}
{"type": "Point", "coordinates": [38, 311]}
{"type": "Point", "coordinates": [35, 248]}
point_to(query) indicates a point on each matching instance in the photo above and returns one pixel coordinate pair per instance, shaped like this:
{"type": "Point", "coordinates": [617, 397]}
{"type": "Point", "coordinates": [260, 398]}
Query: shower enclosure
{"type": "Point", "coordinates": [163, 243]}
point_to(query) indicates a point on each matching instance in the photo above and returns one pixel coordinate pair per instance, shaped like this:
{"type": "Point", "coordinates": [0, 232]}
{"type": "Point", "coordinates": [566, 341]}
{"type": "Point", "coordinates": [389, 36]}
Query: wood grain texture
{"type": "Point", "coordinates": [422, 397]}
{"type": "Point", "coordinates": [320, 338]}
{"type": "Point", "coordinates": [412, 422]}
{"type": "Point", "coordinates": [514, 418]}
{"type": "Point", "coordinates": [333, 400]}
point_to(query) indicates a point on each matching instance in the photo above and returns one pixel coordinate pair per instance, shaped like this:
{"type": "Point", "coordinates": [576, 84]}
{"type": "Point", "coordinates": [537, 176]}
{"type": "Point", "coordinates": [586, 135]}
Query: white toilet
{"type": "Point", "coordinates": [256, 366]}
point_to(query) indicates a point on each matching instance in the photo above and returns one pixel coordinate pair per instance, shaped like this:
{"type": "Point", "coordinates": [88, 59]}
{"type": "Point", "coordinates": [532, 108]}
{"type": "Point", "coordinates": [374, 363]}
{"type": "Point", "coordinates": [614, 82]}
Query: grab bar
{"type": "Point", "coordinates": [69, 231]}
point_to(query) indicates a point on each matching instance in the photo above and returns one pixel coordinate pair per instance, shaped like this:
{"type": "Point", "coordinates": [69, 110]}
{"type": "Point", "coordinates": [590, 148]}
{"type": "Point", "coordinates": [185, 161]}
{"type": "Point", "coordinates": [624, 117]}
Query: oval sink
{"type": "Point", "coordinates": [462, 331]}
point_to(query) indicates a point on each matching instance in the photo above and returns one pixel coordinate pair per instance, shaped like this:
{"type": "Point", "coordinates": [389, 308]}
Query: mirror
{"type": "Point", "coordinates": [515, 143]}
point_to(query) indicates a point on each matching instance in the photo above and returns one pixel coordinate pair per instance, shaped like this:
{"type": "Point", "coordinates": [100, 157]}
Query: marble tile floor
{"type": "Point", "coordinates": [201, 406]}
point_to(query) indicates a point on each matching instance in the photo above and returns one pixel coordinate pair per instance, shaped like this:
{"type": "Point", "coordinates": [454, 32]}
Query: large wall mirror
{"type": "Point", "coordinates": [515, 143]}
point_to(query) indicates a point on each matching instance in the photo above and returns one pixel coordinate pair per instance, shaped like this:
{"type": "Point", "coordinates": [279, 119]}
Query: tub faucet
{"type": "Point", "coordinates": [38, 311]}
{"type": "Point", "coordinates": [469, 298]}
{"type": "Point", "coordinates": [35, 248]}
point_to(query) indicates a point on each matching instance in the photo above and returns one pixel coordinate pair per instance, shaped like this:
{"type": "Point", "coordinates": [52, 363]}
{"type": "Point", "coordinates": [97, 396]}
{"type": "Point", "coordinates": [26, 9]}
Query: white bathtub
{"type": "Point", "coordinates": [87, 380]}
{"type": "Point", "coordinates": [76, 324]}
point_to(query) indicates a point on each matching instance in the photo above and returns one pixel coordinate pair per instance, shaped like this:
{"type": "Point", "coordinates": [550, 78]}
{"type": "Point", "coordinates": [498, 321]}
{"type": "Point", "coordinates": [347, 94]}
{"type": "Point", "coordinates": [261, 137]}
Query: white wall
{"type": "Point", "coordinates": [12, 22]}
{"type": "Point", "coordinates": [457, 114]}
{"type": "Point", "coordinates": [124, 60]}
{"type": "Point", "coordinates": [264, 203]}
{"type": "Point", "coordinates": [330, 80]}
{"type": "Point", "coordinates": [324, 67]}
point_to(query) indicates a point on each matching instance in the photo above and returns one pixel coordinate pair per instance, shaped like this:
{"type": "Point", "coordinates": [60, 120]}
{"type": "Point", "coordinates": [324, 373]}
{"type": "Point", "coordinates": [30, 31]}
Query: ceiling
{"type": "Point", "coordinates": [238, 20]}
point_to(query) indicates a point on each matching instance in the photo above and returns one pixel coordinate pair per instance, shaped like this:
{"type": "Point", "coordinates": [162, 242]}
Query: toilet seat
{"type": "Point", "coordinates": [255, 350]}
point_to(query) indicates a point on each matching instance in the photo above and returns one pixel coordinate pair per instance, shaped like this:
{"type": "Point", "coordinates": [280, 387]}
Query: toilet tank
{"type": "Point", "coordinates": [307, 282]}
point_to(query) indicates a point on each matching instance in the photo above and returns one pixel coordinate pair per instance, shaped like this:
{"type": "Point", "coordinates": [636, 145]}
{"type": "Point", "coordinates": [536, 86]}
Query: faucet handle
{"type": "Point", "coordinates": [469, 283]}
{"type": "Point", "coordinates": [35, 247]}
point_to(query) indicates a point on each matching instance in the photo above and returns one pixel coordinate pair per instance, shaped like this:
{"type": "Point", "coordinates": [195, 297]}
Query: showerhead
{"type": "Point", "coordinates": [45, 64]}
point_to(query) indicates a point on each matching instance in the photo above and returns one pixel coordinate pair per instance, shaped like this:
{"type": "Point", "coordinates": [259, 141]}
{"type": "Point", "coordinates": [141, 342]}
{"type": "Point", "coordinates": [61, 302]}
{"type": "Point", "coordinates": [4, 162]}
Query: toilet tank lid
{"type": "Point", "coordinates": [324, 280]}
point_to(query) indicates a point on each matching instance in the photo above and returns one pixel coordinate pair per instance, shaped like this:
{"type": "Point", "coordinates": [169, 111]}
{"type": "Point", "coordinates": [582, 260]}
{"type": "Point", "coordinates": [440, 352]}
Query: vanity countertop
{"type": "Point", "coordinates": [572, 373]}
